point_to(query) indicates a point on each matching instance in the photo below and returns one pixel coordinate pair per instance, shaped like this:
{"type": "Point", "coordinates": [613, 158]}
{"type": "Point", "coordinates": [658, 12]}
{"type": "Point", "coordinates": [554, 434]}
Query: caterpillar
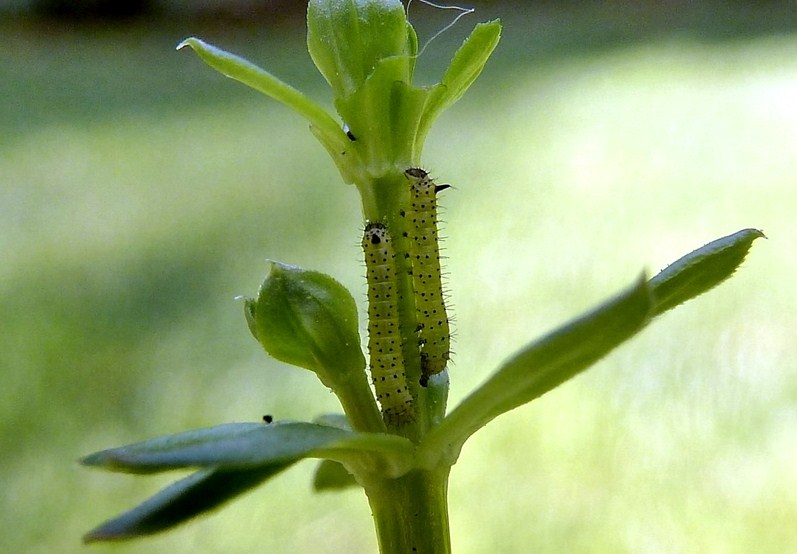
{"type": "Point", "coordinates": [434, 335]}
{"type": "Point", "coordinates": [384, 339]}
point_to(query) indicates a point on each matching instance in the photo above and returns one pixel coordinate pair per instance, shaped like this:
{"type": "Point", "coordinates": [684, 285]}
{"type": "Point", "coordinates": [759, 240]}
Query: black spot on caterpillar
{"type": "Point", "coordinates": [384, 339]}
{"type": "Point", "coordinates": [267, 418]}
{"type": "Point", "coordinates": [434, 335]}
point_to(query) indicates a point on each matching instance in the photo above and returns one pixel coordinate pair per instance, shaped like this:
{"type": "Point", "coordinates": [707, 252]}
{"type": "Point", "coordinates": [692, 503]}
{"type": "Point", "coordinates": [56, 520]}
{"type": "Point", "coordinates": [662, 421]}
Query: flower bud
{"type": "Point", "coordinates": [307, 319]}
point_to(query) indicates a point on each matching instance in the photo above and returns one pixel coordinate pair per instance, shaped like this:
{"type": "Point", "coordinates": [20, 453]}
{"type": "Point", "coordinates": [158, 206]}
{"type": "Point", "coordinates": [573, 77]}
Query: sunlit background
{"type": "Point", "coordinates": [140, 192]}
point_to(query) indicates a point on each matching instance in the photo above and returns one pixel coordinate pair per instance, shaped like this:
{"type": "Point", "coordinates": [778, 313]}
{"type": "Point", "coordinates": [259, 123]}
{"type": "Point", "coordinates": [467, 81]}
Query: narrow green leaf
{"type": "Point", "coordinates": [469, 61]}
{"type": "Point", "coordinates": [542, 366]}
{"type": "Point", "coordinates": [701, 270]}
{"type": "Point", "coordinates": [261, 80]}
{"type": "Point", "coordinates": [250, 445]}
{"type": "Point", "coordinates": [179, 502]}
{"type": "Point", "coordinates": [332, 476]}
{"type": "Point", "coordinates": [233, 445]}
{"type": "Point", "coordinates": [465, 67]}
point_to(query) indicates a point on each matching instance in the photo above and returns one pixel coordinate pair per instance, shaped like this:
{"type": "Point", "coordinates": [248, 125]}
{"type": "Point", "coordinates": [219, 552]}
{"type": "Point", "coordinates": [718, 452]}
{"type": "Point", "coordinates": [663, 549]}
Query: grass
{"type": "Point", "coordinates": [139, 193]}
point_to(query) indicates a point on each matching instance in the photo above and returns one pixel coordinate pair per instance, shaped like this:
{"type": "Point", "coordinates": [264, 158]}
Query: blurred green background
{"type": "Point", "coordinates": [140, 192]}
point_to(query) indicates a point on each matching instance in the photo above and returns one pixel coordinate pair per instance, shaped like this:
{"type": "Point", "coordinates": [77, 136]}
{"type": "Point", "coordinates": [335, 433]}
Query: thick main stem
{"type": "Point", "coordinates": [411, 513]}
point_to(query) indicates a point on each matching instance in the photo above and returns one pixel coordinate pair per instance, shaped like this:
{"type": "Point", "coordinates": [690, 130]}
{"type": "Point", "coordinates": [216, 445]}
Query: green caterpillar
{"type": "Point", "coordinates": [434, 335]}
{"type": "Point", "coordinates": [384, 339]}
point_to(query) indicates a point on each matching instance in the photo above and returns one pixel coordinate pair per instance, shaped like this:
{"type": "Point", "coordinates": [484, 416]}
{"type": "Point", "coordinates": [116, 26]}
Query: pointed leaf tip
{"type": "Point", "coordinates": [701, 270]}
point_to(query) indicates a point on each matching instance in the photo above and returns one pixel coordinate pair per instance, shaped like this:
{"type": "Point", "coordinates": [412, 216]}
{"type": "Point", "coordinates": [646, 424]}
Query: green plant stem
{"type": "Point", "coordinates": [411, 513]}
{"type": "Point", "coordinates": [359, 405]}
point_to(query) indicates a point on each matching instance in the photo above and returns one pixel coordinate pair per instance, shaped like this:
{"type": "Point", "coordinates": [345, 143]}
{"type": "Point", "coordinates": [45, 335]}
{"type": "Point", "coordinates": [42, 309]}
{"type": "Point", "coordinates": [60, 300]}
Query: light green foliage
{"type": "Point", "coordinates": [366, 50]}
{"type": "Point", "coordinates": [680, 438]}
